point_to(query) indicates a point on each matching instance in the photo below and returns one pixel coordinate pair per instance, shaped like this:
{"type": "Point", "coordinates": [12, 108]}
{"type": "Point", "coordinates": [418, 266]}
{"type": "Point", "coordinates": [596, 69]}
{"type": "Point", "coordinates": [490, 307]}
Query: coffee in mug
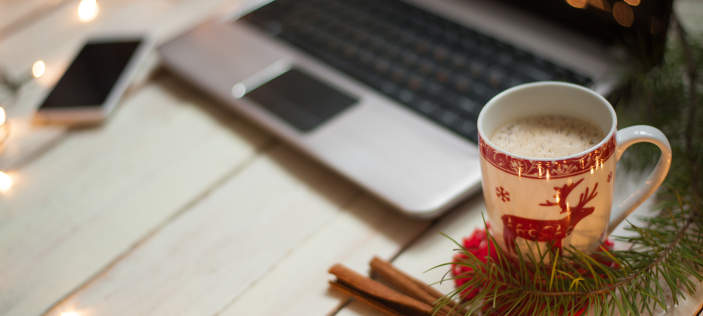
{"type": "Point", "coordinates": [547, 136]}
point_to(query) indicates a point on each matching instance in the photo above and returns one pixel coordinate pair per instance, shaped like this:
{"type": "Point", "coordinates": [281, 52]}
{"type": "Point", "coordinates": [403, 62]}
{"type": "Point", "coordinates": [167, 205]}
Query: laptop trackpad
{"type": "Point", "coordinates": [301, 100]}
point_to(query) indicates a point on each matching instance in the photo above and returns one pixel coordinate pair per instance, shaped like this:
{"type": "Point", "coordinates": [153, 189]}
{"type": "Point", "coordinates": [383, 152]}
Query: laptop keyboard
{"type": "Point", "coordinates": [440, 69]}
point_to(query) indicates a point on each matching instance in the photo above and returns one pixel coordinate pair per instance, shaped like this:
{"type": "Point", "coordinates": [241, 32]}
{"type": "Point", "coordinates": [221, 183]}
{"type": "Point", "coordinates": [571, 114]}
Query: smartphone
{"type": "Point", "coordinates": [94, 82]}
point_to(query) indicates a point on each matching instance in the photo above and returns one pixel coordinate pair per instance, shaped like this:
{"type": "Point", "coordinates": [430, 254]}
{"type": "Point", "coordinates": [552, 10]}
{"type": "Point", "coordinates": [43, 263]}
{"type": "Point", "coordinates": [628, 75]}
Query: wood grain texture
{"type": "Point", "coordinates": [81, 204]}
{"type": "Point", "coordinates": [297, 285]}
{"type": "Point", "coordinates": [16, 14]}
{"type": "Point", "coordinates": [225, 243]}
{"type": "Point", "coordinates": [26, 141]}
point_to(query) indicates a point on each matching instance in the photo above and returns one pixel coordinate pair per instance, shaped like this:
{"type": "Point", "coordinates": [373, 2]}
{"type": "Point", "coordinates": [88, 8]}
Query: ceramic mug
{"type": "Point", "coordinates": [565, 201]}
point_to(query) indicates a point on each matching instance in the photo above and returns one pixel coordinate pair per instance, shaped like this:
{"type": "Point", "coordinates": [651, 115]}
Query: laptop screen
{"type": "Point", "coordinates": [638, 25]}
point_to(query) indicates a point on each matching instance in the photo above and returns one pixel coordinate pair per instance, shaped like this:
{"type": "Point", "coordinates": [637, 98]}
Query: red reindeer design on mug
{"type": "Point", "coordinates": [549, 230]}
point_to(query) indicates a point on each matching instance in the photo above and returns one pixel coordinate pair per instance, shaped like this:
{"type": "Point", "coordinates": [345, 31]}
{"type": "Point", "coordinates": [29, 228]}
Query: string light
{"type": "Point", "coordinates": [38, 69]}
{"type": "Point", "coordinates": [3, 117]}
{"type": "Point", "coordinates": [577, 3]}
{"type": "Point", "coordinates": [69, 314]}
{"type": "Point", "coordinates": [5, 183]}
{"type": "Point", "coordinates": [87, 10]}
{"type": "Point", "coordinates": [623, 14]}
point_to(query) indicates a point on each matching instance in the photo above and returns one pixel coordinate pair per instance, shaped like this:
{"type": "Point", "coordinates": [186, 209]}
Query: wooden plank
{"type": "Point", "coordinates": [78, 206]}
{"type": "Point", "coordinates": [26, 141]}
{"type": "Point", "coordinates": [16, 14]}
{"type": "Point", "coordinates": [222, 245]}
{"type": "Point", "coordinates": [298, 283]}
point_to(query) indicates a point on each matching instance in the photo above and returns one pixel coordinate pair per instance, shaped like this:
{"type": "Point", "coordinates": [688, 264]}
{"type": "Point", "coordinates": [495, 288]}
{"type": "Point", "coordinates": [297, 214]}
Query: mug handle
{"type": "Point", "coordinates": [625, 138]}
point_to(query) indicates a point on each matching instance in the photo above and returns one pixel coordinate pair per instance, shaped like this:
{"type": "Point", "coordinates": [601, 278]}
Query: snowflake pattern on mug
{"type": "Point", "coordinates": [610, 176]}
{"type": "Point", "coordinates": [502, 194]}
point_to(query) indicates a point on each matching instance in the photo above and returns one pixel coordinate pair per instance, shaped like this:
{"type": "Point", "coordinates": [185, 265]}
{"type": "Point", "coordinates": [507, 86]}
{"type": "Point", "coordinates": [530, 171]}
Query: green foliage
{"type": "Point", "coordinates": [665, 98]}
{"type": "Point", "coordinates": [665, 255]}
{"type": "Point", "coordinates": [667, 252]}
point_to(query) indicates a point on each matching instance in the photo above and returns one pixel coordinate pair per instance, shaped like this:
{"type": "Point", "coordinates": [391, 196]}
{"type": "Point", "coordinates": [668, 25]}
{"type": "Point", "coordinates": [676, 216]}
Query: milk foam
{"type": "Point", "coordinates": [547, 136]}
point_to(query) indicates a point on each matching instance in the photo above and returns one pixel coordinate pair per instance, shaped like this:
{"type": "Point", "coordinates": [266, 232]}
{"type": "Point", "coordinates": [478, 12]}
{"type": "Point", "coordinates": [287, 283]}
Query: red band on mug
{"type": "Point", "coordinates": [553, 169]}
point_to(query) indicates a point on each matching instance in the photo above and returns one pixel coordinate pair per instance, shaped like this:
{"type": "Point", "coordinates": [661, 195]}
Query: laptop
{"type": "Point", "coordinates": [387, 92]}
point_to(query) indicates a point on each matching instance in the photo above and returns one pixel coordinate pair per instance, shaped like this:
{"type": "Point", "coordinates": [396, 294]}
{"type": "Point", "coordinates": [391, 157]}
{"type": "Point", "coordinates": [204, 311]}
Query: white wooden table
{"type": "Point", "coordinates": [176, 206]}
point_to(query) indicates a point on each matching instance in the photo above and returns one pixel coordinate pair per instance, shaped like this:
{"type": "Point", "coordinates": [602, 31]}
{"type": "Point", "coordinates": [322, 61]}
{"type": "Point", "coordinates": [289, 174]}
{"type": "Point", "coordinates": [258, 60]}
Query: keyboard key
{"type": "Point", "coordinates": [416, 83]}
{"type": "Point", "coordinates": [399, 74]}
{"type": "Point", "coordinates": [451, 37]}
{"type": "Point", "coordinates": [428, 67]}
{"type": "Point", "coordinates": [392, 51]}
{"type": "Point", "coordinates": [409, 58]}
{"type": "Point", "coordinates": [496, 77]}
{"type": "Point", "coordinates": [389, 88]}
{"type": "Point", "coordinates": [462, 84]}
{"type": "Point", "coordinates": [516, 80]}
{"type": "Point", "coordinates": [467, 129]}
{"type": "Point", "coordinates": [448, 118]}
{"type": "Point", "coordinates": [459, 61]}
{"type": "Point", "coordinates": [482, 91]}
{"type": "Point", "coordinates": [433, 88]}
{"type": "Point", "coordinates": [443, 76]}
{"type": "Point", "coordinates": [428, 107]}
{"type": "Point", "coordinates": [469, 43]}
{"type": "Point", "coordinates": [440, 53]}
{"type": "Point", "coordinates": [366, 56]}
{"type": "Point", "coordinates": [477, 68]}
{"type": "Point", "coordinates": [350, 50]}
{"type": "Point", "coordinates": [382, 65]}
{"type": "Point", "coordinates": [406, 96]}
{"type": "Point", "coordinates": [470, 107]}
{"type": "Point", "coordinates": [422, 46]}
{"type": "Point", "coordinates": [534, 72]}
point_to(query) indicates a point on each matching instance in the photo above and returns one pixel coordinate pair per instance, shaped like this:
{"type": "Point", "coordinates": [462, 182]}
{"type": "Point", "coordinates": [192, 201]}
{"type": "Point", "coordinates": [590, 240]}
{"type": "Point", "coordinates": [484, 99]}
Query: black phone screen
{"type": "Point", "coordinates": [91, 76]}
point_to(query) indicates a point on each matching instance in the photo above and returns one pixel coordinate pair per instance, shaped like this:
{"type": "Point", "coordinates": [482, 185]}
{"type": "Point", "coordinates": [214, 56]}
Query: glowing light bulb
{"type": "Point", "coordinates": [5, 182]}
{"type": "Point", "coordinates": [87, 10]}
{"type": "Point", "coordinates": [38, 69]}
{"type": "Point", "coordinates": [600, 4]}
{"type": "Point", "coordinates": [577, 3]}
{"type": "Point", "coordinates": [69, 314]}
{"type": "Point", "coordinates": [623, 14]}
{"type": "Point", "coordinates": [3, 117]}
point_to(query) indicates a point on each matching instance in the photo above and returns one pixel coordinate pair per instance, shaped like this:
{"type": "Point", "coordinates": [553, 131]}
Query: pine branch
{"type": "Point", "coordinates": [691, 72]}
{"type": "Point", "coordinates": [634, 282]}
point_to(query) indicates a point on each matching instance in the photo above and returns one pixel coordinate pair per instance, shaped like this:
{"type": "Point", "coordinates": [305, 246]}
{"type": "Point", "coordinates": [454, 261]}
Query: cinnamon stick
{"type": "Point", "coordinates": [369, 290]}
{"type": "Point", "coordinates": [410, 285]}
{"type": "Point", "coordinates": [365, 299]}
